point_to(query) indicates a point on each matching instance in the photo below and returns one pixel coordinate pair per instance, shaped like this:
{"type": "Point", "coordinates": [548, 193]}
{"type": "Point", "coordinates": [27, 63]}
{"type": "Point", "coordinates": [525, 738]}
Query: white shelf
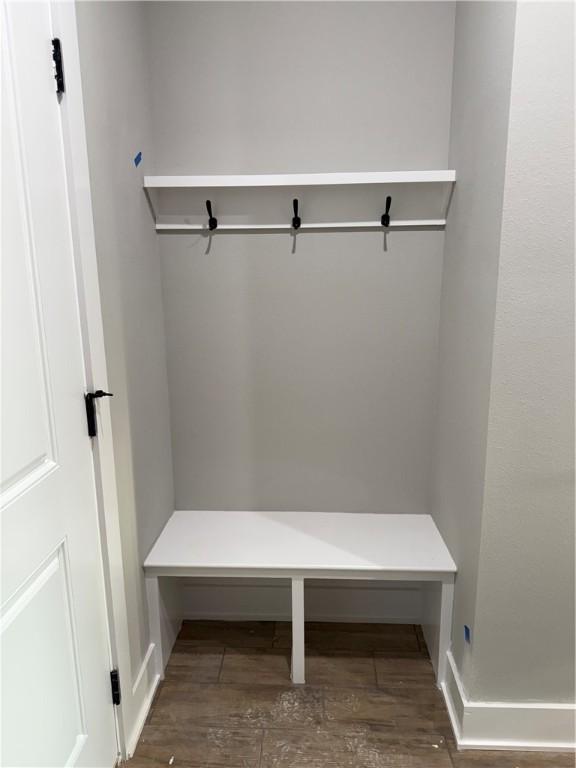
{"type": "Point", "coordinates": [327, 201]}
{"type": "Point", "coordinates": [299, 179]}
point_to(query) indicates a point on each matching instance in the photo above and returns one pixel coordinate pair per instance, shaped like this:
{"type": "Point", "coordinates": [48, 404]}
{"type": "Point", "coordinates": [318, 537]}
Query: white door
{"type": "Point", "coordinates": [56, 701]}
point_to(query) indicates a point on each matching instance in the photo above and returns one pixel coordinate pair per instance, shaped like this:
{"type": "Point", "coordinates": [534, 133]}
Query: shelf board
{"type": "Point", "coordinates": [346, 544]}
{"type": "Point", "coordinates": [299, 179]}
{"type": "Point", "coordinates": [327, 201]}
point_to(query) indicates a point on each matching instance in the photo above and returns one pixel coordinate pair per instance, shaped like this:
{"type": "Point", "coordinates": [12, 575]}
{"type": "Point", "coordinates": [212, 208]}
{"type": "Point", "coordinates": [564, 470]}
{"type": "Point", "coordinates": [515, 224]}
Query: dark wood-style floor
{"type": "Point", "coordinates": [370, 702]}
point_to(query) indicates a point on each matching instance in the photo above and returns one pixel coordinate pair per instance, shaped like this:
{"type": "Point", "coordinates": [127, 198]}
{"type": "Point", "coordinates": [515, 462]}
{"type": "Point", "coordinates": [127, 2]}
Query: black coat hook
{"type": "Point", "coordinates": [296, 220]}
{"type": "Point", "coordinates": [385, 220]}
{"type": "Point", "coordinates": [212, 221]}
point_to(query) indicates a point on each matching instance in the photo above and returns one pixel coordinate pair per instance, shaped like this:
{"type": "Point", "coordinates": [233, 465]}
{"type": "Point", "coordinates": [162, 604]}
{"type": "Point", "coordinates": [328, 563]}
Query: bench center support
{"type": "Point", "coordinates": [297, 630]}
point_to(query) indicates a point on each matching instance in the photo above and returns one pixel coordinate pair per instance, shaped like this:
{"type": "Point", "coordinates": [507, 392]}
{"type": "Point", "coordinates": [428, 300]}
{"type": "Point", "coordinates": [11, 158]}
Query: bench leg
{"type": "Point", "coordinates": [447, 601]}
{"type": "Point", "coordinates": [297, 630]}
{"type": "Point", "coordinates": [153, 599]}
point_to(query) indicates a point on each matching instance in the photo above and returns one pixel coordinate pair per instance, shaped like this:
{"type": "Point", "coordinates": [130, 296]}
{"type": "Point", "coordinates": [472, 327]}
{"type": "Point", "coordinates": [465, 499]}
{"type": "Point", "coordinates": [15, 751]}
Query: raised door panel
{"type": "Point", "coordinates": [28, 444]}
{"type": "Point", "coordinates": [45, 685]}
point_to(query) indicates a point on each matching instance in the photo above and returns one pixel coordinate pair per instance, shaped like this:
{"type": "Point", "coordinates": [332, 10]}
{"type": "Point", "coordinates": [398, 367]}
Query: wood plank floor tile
{"type": "Point", "coordinates": [369, 641]}
{"type": "Point", "coordinates": [422, 640]}
{"type": "Point", "coordinates": [344, 668]}
{"type": "Point", "coordinates": [251, 634]}
{"type": "Point", "coordinates": [406, 669]}
{"type": "Point", "coordinates": [472, 758]}
{"type": "Point", "coordinates": [265, 666]}
{"type": "Point", "coordinates": [352, 748]}
{"type": "Point", "coordinates": [359, 627]}
{"type": "Point", "coordinates": [371, 702]}
{"type": "Point", "coordinates": [194, 663]}
{"type": "Point", "coordinates": [234, 706]}
{"type": "Point", "coordinates": [201, 747]}
{"type": "Point", "coordinates": [147, 762]}
{"type": "Point", "coordinates": [329, 628]}
{"type": "Point", "coordinates": [355, 636]}
{"type": "Point", "coordinates": [414, 709]}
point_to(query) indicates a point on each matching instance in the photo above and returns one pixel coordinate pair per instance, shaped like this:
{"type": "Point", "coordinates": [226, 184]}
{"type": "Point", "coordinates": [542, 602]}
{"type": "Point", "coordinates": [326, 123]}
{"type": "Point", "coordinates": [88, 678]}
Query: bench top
{"type": "Point", "coordinates": [318, 544]}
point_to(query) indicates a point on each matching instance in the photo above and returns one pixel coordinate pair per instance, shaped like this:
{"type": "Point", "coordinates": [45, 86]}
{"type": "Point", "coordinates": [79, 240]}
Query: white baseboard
{"type": "Point", "coordinates": [132, 740]}
{"type": "Point", "coordinates": [144, 674]}
{"type": "Point", "coordinates": [332, 618]}
{"type": "Point", "coordinates": [494, 725]}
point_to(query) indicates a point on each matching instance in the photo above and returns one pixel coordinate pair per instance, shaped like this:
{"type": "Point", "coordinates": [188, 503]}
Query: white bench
{"type": "Point", "coordinates": [299, 546]}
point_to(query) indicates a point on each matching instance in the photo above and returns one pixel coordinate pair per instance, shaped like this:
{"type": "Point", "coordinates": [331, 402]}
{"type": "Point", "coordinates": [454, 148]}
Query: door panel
{"type": "Point", "coordinates": [28, 445]}
{"type": "Point", "coordinates": [56, 700]}
{"type": "Point", "coordinates": [44, 601]}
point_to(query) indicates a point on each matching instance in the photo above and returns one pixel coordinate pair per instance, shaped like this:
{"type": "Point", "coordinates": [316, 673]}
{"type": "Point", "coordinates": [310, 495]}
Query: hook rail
{"type": "Point", "coordinates": [408, 224]}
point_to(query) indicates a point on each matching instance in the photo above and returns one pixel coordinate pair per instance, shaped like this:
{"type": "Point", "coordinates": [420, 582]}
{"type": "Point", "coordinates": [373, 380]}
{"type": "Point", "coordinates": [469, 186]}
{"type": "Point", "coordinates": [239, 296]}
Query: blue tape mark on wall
{"type": "Point", "coordinates": [138, 159]}
{"type": "Point", "coordinates": [467, 633]}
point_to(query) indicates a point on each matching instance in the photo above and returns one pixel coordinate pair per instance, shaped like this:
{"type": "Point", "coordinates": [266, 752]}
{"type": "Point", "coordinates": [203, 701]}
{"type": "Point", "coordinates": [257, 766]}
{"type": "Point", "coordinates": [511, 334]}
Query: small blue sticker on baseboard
{"type": "Point", "coordinates": [467, 633]}
{"type": "Point", "coordinates": [138, 159]}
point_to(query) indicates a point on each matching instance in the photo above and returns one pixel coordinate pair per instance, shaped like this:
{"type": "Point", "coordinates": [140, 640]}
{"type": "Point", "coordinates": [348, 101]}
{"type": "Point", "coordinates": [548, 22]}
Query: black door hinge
{"type": "Point", "coordinates": [91, 409]}
{"type": "Point", "coordinates": [58, 65]}
{"type": "Point", "coordinates": [115, 685]}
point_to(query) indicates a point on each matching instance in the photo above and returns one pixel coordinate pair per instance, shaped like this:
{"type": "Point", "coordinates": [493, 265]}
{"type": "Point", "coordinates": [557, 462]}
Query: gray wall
{"type": "Point", "coordinates": [484, 46]}
{"type": "Point", "coordinates": [114, 63]}
{"type": "Point", "coordinates": [302, 380]}
{"type": "Point", "coordinates": [503, 479]}
{"type": "Point", "coordinates": [287, 87]}
{"type": "Point", "coordinates": [524, 645]}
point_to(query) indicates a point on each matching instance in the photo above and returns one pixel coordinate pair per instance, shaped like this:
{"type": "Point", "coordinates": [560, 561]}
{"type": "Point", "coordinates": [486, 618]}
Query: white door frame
{"type": "Point", "coordinates": [77, 168]}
